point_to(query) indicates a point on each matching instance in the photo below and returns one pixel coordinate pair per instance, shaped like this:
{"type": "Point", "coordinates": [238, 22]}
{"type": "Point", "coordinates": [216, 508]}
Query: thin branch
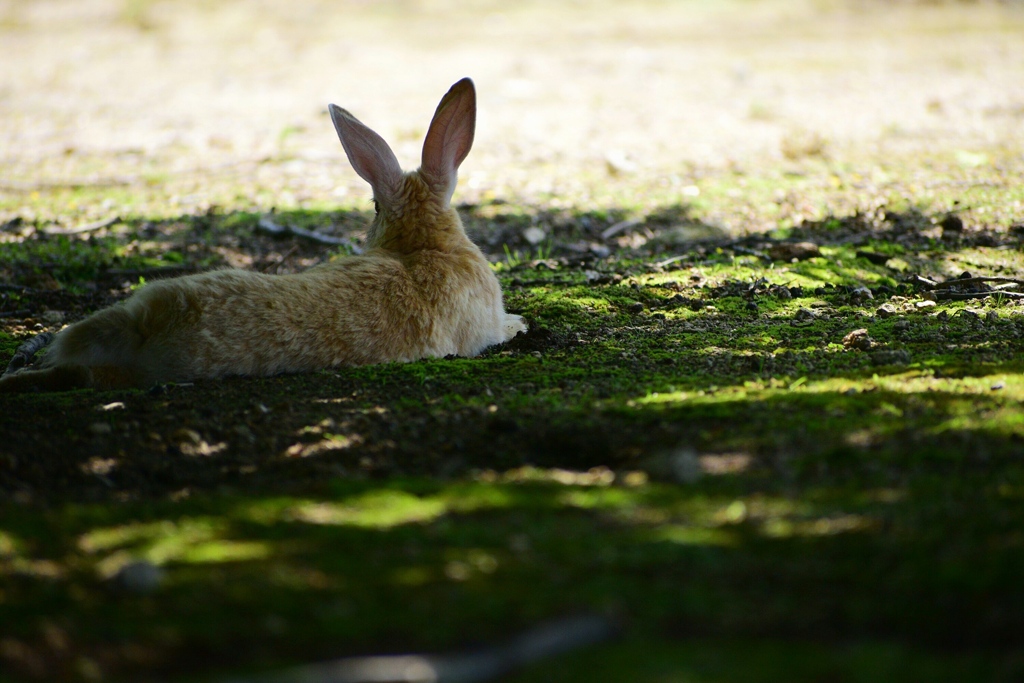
{"type": "Point", "coordinates": [88, 227]}
{"type": "Point", "coordinates": [276, 263]}
{"type": "Point", "coordinates": [963, 296]}
{"type": "Point", "coordinates": [670, 261]}
{"type": "Point", "coordinates": [269, 227]}
{"type": "Point", "coordinates": [544, 641]}
{"type": "Point", "coordinates": [620, 227]}
{"type": "Point", "coordinates": [921, 281]}
{"type": "Point", "coordinates": [746, 251]}
{"type": "Point", "coordinates": [976, 280]}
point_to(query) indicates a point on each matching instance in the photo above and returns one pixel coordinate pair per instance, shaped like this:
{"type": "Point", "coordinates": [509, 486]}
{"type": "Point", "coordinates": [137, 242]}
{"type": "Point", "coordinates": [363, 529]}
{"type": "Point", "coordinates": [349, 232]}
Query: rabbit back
{"type": "Point", "coordinates": [370, 309]}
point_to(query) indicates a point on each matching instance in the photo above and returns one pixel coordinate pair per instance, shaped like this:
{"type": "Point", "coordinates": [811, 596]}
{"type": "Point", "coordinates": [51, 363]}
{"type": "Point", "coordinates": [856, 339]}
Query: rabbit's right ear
{"type": "Point", "coordinates": [369, 155]}
{"type": "Point", "coordinates": [450, 137]}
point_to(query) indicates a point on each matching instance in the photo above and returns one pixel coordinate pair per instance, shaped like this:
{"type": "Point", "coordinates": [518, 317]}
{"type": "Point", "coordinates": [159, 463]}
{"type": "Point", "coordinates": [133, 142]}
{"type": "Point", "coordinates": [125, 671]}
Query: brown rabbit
{"type": "Point", "coordinates": [422, 289]}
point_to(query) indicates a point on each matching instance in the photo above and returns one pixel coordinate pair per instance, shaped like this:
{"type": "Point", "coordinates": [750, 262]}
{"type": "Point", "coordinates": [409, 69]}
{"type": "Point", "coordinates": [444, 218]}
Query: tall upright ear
{"type": "Point", "coordinates": [369, 155]}
{"type": "Point", "coordinates": [450, 137]}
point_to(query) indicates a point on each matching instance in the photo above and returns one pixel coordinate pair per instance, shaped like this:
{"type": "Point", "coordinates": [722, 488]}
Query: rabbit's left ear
{"type": "Point", "coordinates": [450, 137]}
{"type": "Point", "coordinates": [369, 155]}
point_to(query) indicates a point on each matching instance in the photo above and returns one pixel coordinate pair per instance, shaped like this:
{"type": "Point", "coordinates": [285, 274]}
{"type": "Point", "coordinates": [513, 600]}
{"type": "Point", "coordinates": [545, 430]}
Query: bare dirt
{"type": "Point", "coordinates": [192, 109]}
{"type": "Point", "coordinates": [575, 98]}
{"type": "Point", "coordinates": [672, 155]}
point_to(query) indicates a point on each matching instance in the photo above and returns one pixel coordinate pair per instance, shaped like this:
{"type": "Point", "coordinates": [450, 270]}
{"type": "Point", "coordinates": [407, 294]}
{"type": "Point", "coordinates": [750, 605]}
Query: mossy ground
{"type": "Point", "coordinates": [688, 442]}
{"type": "Point", "coordinates": [683, 442]}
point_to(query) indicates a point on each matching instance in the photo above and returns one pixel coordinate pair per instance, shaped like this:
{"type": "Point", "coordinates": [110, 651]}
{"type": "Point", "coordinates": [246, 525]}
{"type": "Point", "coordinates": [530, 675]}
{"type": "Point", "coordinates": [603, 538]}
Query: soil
{"type": "Point", "coordinates": [754, 402]}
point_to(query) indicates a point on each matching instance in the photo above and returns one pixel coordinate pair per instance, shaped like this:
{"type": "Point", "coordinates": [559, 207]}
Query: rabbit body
{"type": "Point", "coordinates": [422, 289]}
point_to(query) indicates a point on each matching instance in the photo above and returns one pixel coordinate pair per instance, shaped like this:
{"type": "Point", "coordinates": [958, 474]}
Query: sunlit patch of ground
{"type": "Point", "coordinates": [744, 426]}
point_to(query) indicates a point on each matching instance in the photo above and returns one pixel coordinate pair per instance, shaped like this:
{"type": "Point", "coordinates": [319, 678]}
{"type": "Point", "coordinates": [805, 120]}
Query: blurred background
{"type": "Point", "coordinates": [572, 94]}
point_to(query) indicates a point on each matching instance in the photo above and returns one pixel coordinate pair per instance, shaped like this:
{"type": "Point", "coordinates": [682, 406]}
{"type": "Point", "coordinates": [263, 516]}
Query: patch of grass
{"type": "Point", "coordinates": [466, 562]}
{"type": "Point", "coordinates": [687, 442]}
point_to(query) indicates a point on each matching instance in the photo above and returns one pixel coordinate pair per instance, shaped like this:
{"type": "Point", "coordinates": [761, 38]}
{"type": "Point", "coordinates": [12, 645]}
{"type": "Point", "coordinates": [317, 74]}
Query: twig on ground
{"type": "Point", "coordinates": [670, 261]}
{"type": "Point", "coordinates": [276, 263]}
{"type": "Point", "coordinates": [976, 280]}
{"type": "Point", "coordinates": [621, 226]}
{"type": "Point", "coordinates": [750, 252]}
{"type": "Point", "coordinates": [88, 227]}
{"type": "Point", "coordinates": [269, 227]}
{"type": "Point", "coordinates": [963, 296]}
{"type": "Point", "coordinates": [544, 641]}
{"type": "Point", "coordinates": [921, 281]}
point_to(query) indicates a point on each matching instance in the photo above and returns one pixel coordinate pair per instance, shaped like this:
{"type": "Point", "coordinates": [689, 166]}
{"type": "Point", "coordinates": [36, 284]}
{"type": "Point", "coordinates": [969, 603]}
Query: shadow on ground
{"type": "Point", "coordinates": [688, 440]}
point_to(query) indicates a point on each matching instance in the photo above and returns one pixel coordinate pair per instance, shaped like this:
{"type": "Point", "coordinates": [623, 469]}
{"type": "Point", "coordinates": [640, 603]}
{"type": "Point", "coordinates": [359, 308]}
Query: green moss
{"type": "Point", "coordinates": [686, 445]}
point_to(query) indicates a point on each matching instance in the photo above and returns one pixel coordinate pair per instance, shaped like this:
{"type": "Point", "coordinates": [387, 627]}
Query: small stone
{"type": "Point", "coordinates": [924, 304]}
{"type": "Point", "coordinates": [100, 428]}
{"type": "Point", "coordinates": [53, 317]}
{"type": "Point", "coordinates": [636, 307]}
{"type": "Point", "coordinates": [681, 464]}
{"type": "Point", "coordinates": [141, 576]}
{"type": "Point", "coordinates": [685, 466]}
{"type": "Point", "coordinates": [618, 164]}
{"type": "Point", "coordinates": [860, 294]}
{"type": "Point", "coordinates": [890, 357]}
{"type": "Point", "coordinates": [534, 235]}
{"type": "Point", "coordinates": [998, 385]}
{"type": "Point", "coordinates": [885, 311]}
{"type": "Point", "coordinates": [858, 339]}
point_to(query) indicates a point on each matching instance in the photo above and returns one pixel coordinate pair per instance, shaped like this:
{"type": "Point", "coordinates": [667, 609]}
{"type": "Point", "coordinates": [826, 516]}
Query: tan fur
{"type": "Point", "coordinates": [422, 289]}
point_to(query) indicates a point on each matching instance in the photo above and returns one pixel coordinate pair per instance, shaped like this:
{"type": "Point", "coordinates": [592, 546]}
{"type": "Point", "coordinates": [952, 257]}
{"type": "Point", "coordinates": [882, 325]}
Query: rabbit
{"type": "Point", "coordinates": [421, 289]}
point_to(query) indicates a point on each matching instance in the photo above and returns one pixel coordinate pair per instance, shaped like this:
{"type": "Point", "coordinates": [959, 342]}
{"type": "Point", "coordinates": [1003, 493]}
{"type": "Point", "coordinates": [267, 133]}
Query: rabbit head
{"type": "Point", "coordinates": [413, 209]}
